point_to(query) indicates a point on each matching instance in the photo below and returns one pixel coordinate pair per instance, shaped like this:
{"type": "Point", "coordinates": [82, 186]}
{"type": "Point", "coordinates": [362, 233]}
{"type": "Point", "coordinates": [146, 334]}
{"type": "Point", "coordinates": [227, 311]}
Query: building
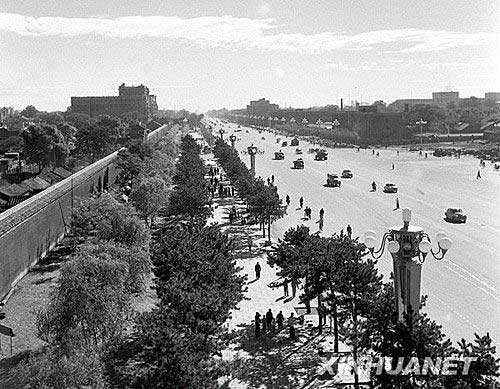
{"type": "Point", "coordinates": [492, 96]}
{"type": "Point", "coordinates": [261, 107]}
{"type": "Point", "coordinates": [439, 99]}
{"type": "Point", "coordinates": [131, 100]}
{"type": "Point", "coordinates": [444, 99]}
{"type": "Point", "coordinates": [6, 112]}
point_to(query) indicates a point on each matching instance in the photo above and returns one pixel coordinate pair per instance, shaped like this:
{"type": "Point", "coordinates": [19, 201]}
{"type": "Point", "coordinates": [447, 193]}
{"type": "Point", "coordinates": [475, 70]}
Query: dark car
{"type": "Point", "coordinates": [455, 215]}
{"type": "Point", "coordinates": [298, 164]}
{"type": "Point", "coordinates": [390, 188]}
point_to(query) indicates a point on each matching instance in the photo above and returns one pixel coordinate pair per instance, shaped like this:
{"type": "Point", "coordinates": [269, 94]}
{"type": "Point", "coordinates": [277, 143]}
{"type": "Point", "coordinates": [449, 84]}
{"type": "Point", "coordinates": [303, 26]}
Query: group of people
{"type": "Point", "coordinates": [269, 324]}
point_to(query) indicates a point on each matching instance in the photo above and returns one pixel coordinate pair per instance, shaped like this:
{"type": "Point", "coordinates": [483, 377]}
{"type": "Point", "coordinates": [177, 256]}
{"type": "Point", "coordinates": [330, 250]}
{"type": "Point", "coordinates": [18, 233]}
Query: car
{"type": "Point", "coordinates": [346, 174]}
{"type": "Point", "coordinates": [332, 180]}
{"type": "Point", "coordinates": [390, 188]}
{"type": "Point", "coordinates": [263, 138]}
{"type": "Point", "coordinates": [278, 155]}
{"type": "Point", "coordinates": [321, 155]}
{"type": "Point", "coordinates": [298, 151]}
{"type": "Point", "coordinates": [298, 164]}
{"type": "Point", "coordinates": [455, 215]}
{"type": "Point", "coordinates": [294, 142]}
{"type": "Point", "coordinates": [284, 144]}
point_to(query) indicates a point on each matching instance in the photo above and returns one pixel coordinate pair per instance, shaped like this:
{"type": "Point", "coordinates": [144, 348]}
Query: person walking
{"type": "Point", "coordinates": [321, 222]}
{"type": "Point", "coordinates": [287, 200]}
{"type": "Point", "coordinates": [257, 324]}
{"type": "Point", "coordinates": [478, 174]}
{"type": "Point", "coordinates": [291, 326]}
{"type": "Point", "coordinates": [349, 231]}
{"type": "Point", "coordinates": [280, 320]}
{"type": "Point", "coordinates": [273, 325]}
{"type": "Point", "coordinates": [257, 270]}
{"type": "Point", "coordinates": [264, 327]}
{"type": "Point", "coordinates": [249, 243]}
{"type": "Point", "coordinates": [272, 178]}
{"type": "Point", "coordinates": [294, 288]}
{"type": "Point", "coordinates": [285, 287]}
{"type": "Point", "coordinates": [321, 214]}
{"type": "Point", "coordinates": [301, 201]}
{"type": "Point", "coordinates": [269, 319]}
{"type": "Point", "coordinates": [397, 203]}
{"type": "Point", "coordinates": [392, 166]}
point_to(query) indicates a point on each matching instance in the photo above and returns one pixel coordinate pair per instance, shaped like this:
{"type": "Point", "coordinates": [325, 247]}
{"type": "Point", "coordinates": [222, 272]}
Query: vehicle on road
{"type": "Point", "coordinates": [298, 151]}
{"type": "Point", "coordinates": [298, 164]}
{"type": "Point", "coordinates": [263, 138]}
{"type": "Point", "coordinates": [455, 215]}
{"type": "Point", "coordinates": [390, 188]}
{"type": "Point", "coordinates": [332, 181]}
{"type": "Point", "coordinates": [294, 142]}
{"type": "Point", "coordinates": [413, 149]}
{"type": "Point", "coordinates": [346, 173]}
{"type": "Point", "coordinates": [284, 144]}
{"type": "Point", "coordinates": [278, 155]}
{"type": "Point", "coordinates": [321, 155]}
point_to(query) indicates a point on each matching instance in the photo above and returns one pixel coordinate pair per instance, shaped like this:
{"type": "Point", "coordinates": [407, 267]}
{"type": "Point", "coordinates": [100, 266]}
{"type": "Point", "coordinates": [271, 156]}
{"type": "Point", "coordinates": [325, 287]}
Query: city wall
{"type": "Point", "coordinates": [32, 228]}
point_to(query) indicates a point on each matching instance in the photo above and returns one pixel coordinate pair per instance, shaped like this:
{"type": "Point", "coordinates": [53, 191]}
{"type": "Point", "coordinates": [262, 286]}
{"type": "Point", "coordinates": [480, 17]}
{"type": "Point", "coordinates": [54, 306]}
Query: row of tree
{"type": "Point", "coordinates": [263, 201]}
{"type": "Point", "coordinates": [179, 343]}
{"type": "Point", "coordinates": [90, 307]}
{"type": "Point", "coordinates": [338, 273]}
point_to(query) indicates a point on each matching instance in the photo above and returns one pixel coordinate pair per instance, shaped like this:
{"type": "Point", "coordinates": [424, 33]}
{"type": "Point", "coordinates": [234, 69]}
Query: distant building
{"type": "Point", "coordinates": [133, 100]}
{"type": "Point", "coordinates": [5, 112]}
{"type": "Point", "coordinates": [492, 96]}
{"type": "Point", "coordinates": [261, 107]}
{"type": "Point", "coordinates": [439, 99]}
{"type": "Point", "coordinates": [444, 99]}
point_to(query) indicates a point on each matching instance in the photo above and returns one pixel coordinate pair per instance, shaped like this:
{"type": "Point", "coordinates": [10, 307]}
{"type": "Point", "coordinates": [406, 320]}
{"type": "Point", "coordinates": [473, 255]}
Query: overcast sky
{"type": "Point", "coordinates": [200, 55]}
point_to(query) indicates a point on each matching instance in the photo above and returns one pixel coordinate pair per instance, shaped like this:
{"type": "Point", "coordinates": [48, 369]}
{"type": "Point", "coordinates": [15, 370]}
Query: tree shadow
{"type": "Point", "coordinates": [273, 360]}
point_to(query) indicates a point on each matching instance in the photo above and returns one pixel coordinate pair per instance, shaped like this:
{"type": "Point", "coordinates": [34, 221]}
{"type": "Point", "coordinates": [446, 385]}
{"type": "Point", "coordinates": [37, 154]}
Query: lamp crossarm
{"type": "Point", "coordinates": [436, 254]}
{"type": "Point", "coordinates": [378, 253]}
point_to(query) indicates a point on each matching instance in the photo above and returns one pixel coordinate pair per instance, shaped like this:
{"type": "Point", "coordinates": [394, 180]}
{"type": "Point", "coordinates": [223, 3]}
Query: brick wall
{"type": "Point", "coordinates": [32, 228]}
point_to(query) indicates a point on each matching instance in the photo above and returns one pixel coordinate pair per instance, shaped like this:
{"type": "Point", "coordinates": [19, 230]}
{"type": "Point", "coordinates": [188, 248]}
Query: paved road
{"type": "Point", "coordinates": [463, 288]}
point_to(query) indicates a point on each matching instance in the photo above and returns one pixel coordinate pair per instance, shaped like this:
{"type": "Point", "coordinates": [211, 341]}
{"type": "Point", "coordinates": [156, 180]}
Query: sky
{"type": "Point", "coordinates": [203, 55]}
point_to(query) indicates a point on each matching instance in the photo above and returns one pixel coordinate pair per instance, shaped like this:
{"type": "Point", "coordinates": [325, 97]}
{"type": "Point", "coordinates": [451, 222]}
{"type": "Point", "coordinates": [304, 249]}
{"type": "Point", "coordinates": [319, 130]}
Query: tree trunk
{"type": "Point", "coordinates": [320, 315]}
{"type": "Point", "coordinates": [335, 326]}
{"type": "Point", "coordinates": [269, 229]}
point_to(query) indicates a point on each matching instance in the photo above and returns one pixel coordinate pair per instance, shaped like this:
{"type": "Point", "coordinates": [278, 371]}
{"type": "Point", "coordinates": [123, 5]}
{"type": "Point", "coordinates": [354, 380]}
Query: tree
{"type": "Point", "coordinates": [149, 195]}
{"type": "Point", "coordinates": [88, 304]}
{"type": "Point", "coordinates": [12, 142]}
{"type": "Point", "coordinates": [44, 144]}
{"type": "Point", "coordinates": [52, 118]}
{"type": "Point", "coordinates": [30, 112]}
{"type": "Point", "coordinates": [93, 141]}
{"type": "Point", "coordinates": [265, 205]}
{"type": "Point", "coordinates": [79, 120]}
{"type": "Point", "coordinates": [106, 219]}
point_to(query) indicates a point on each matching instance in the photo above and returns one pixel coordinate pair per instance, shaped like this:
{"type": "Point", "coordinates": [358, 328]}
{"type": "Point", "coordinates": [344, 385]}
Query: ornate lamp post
{"type": "Point", "coordinates": [276, 120]}
{"type": "Point", "coordinates": [270, 121]}
{"type": "Point", "coordinates": [292, 122]}
{"type": "Point", "coordinates": [409, 246]}
{"type": "Point", "coordinates": [335, 124]}
{"type": "Point", "coordinates": [232, 138]}
{"type": "Point", "coordinates": [252, 151]}
{"type": "Point", "coordinates": [305, 122]}
{"type": "Point", "coordinates": [421, 123]}
{"type": "Point", "coordinates": [221, 132]}
{"type": "Point", "coordinates": [319, 122]}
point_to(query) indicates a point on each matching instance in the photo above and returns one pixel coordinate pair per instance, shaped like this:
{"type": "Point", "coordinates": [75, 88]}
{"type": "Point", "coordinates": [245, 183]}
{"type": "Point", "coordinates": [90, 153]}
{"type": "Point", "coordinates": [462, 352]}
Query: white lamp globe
{"type": "Point", "coordinates": [440, 235]}
{"type": "Point", "coordinates": [445, 243]}
{"type": "Point", "coordinates": [370, 233]}
{"type": "Point", "coordinates": [370, 242]}
{"type": "Point", "coordinates": [424, 246]}
{"type": "Point", "coordinates": [393, 246]}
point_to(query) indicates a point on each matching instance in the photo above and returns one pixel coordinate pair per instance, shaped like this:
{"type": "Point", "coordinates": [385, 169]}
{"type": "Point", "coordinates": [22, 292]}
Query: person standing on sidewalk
{"type": "Point", "coordinates": [249, 243]}
{"type": "Point", "coordinates": [349, 231]}
{"type": "Point", "coordinates": [279, 320]}
{"type": "Point", "coordinates": [257, 270]}
{"type": "Point", "coordinates": [294, 288]}
{"type": "Point", "coordinates": [257, 324]}
{"type": "Point", "coordinates": [285, 287]}
{"type": "Point", "coordinates": [301, 202]}
{"type": "Point", "coordinates": [321, 213]}
{"type": "Point", "coordinates": [291, 326]}
{"type": "Point", "coordinates": [287, 200]}
{"type": "Point", "coordinates": [397, 203]}
{"type": "Point", "coordinates": [269, 319]}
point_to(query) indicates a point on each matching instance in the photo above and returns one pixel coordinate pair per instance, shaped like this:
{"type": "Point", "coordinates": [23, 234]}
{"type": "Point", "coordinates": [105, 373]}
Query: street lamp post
{"type": "Point", "coordinates": [270, 122]}
{"type": "Point", "coordinates": [421, 123]}
{"type": "Point", "coordinates": [292, 122]}
{"type": "Point", "coordinates": [409, 246]}
{"type": "Point", "coordinates": [232, 138]}
{"type": "Point", "coordinates": [252, 151]}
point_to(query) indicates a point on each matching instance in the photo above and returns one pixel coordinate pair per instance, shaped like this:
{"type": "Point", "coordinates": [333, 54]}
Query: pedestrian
{"type": "Point", "coordinates": [285, 287]}
{"type": "Point", "coordinates": [249, 243]}
{"type": "Point", "coordinates": [373, 151]}
{"type": "Point", "coordinates": [294, 287]}
{"type": "Point", "coordinates": [398, 152]}
{"type": "Point", "coordinates": [291, 326]}
{"type": "Point", "coordinates": [425, 155]}
{"type": "Point", "coordinates": [273, 325]}
{"type": "Point", "coordinates": [397, 203]}
{"type": "Point", "coordinates": [378, 154]}
{"type": "Point", "coordinates": [272, 178]}
{"type": "Point", "coordinates": [264, 327]}
{"type": "Point", "coordinates": [349, 231]}
{"type": "Point", "coordinates": [287, 200]}
{"type": "Point", "coordinates": [321, 213]}
{"type": "Point", "coordinates": [257, 270]}
{"type": "Point", "coordinates": [231, 217]}
{"type": "Point", "coordinates": [279, 320]}
{"type": "Point", "coordinates": [301, 201]}
{"type": "Point", "coordinates": [321, 222]}
{"type": "Point", "coordinates": [392, 166]}
{"type": "Point", "coordinates": [269, 319]}
{"type": "Point", "coordinates": [257, 324]}
{"type": "Point", "coordinates": [478, 174]}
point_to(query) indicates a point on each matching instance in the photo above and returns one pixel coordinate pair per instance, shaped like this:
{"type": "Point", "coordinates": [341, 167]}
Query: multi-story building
{"type": "Point", "coordinates": [444, 99]}
{"type": "Point", "coordinates": [131, 100]}
{"type": "Point", "coordinates": [492, 96]}
{"type": "Point", "coordinates": [6, 112]}
{"type": "Point", "coordinates": [261, 107]}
